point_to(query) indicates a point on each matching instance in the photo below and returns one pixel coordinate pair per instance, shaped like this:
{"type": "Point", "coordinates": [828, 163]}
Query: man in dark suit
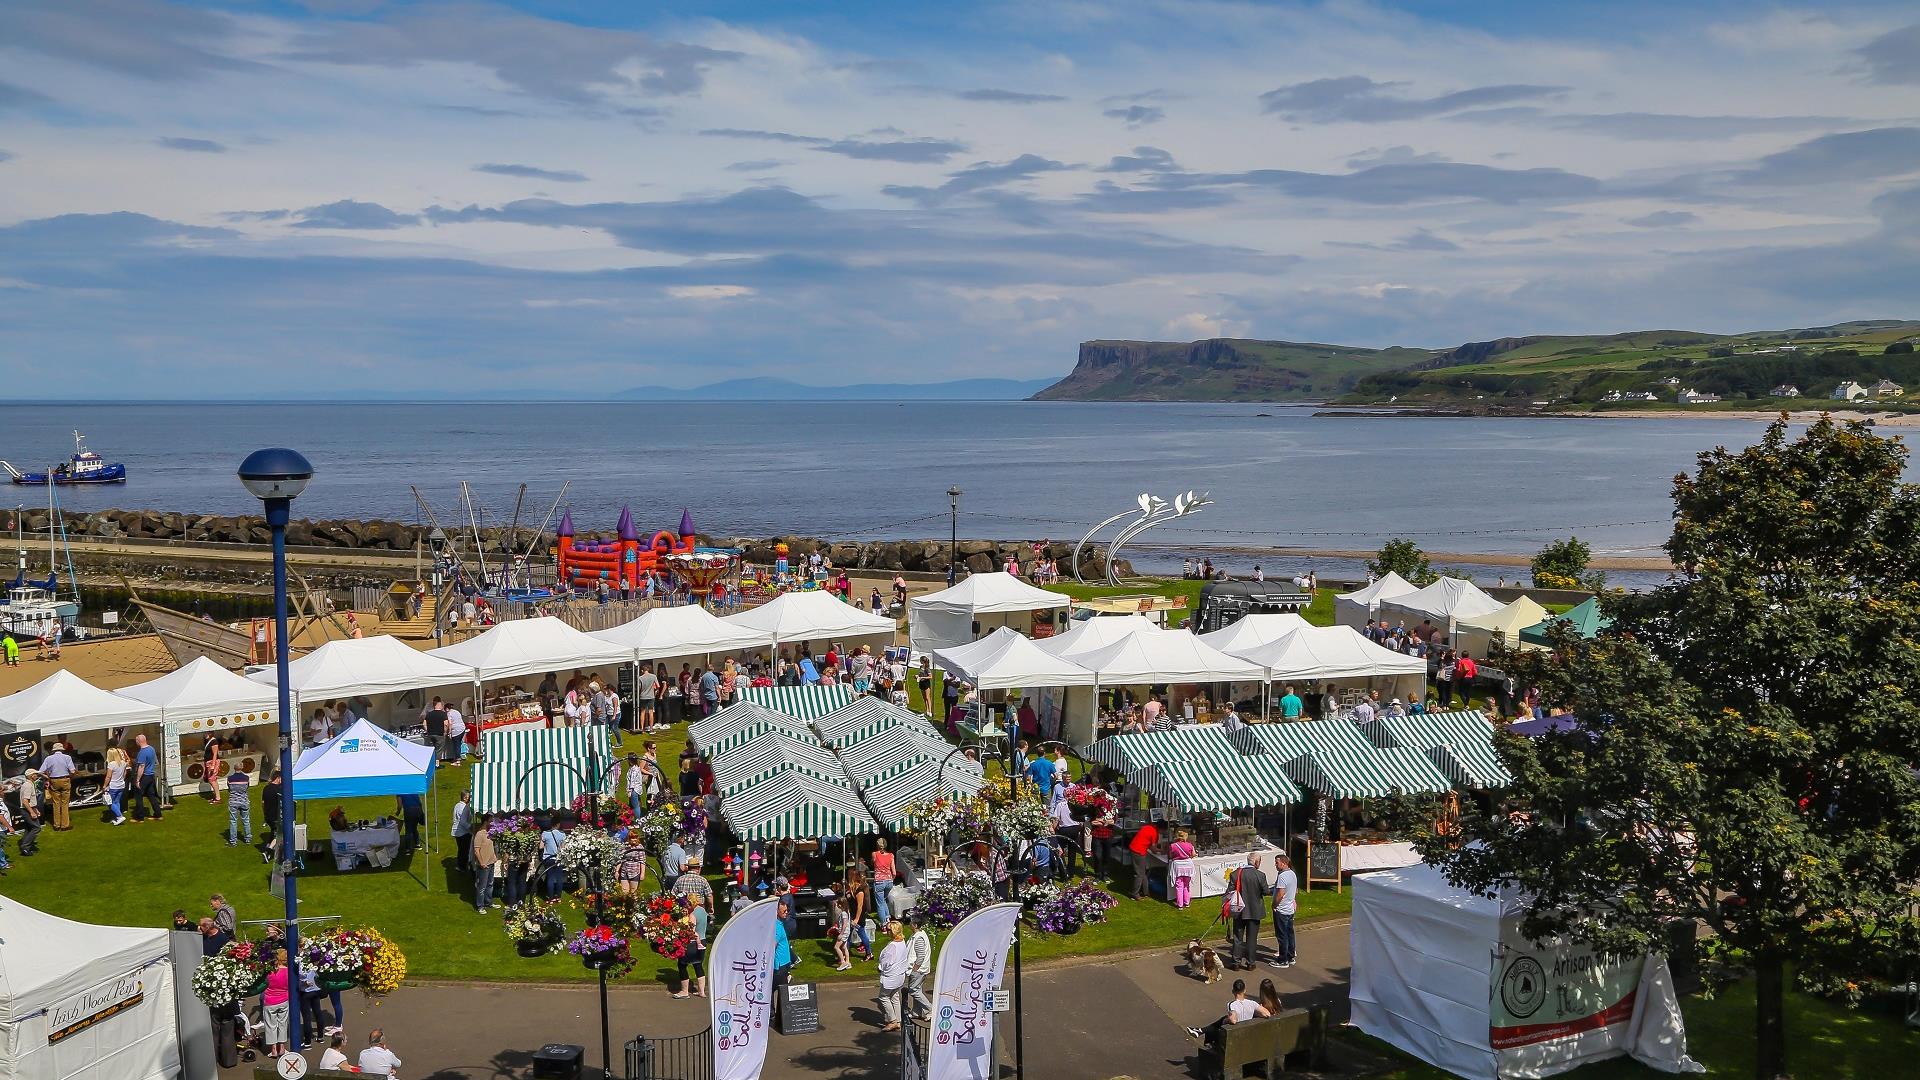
{"type": "Point", "coordinates": [1252, 888]}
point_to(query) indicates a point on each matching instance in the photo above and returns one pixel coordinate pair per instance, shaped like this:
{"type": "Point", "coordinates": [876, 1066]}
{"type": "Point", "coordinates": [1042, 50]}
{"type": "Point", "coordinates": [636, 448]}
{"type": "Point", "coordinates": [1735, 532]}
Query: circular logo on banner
{"type": "Point", "coordinates": [1524, 987]}
{"type": "Point", "coordinates": [291, 1066]}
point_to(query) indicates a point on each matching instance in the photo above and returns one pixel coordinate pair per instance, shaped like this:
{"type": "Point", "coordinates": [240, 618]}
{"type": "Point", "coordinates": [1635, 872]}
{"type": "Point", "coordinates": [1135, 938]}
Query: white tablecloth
{"type": "Point", "coordinates": [1390, 856]}
{"type": "Point", "coordinates": [379, 846]}
{"type": "Point", "coordinates": [1210, 871]}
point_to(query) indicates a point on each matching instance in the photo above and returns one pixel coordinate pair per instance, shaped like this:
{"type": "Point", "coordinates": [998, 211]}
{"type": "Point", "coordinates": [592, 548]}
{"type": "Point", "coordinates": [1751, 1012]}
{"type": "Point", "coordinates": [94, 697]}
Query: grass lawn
{"type": "Point", "coordinates": [1823, 1040]}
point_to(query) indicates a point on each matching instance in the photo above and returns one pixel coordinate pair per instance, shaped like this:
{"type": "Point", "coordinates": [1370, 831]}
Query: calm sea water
{"type": "Point", "coordinates": [1277, 475]}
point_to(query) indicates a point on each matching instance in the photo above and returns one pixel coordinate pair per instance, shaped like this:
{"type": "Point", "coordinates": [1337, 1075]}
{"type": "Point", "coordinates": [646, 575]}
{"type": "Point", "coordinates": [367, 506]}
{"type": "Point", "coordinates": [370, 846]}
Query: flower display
{"type": "Point", "coordinates": [1074, 907]}
{"type": "Point", "coordinates": [1039, 894]}
{"type": "Point", "coordinates": [681, 820]}
{"type": "Point", "coordinates": [221, 980]}
{"type": "Point", "coordinates": [1091, 801]}
{"type": "Point", "coordinates": [586, 852]}
{"type": "Point", "coordinates": [516, 838]}
{"type": "Point", "coordinates": [386, 967]}
{"type": "Point", "coordinates": [615, 813]}
{"type": "Point", "coordinates": [665, 928]}
{"type": "Point", "coordinates": [954, 896]}
{"type": "Point", "coordinates": [533, 921]}
{"type": "Point", "coordinates": [602, 946]}
{"type": "Point", "coordinates": [622, 909]}
{"type": "Point", "coordinates": [1023, 818]}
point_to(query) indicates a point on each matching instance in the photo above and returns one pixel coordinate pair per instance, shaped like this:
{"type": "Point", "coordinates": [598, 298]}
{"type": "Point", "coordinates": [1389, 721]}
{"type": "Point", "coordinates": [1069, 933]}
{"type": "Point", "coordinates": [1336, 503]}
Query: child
{"type": "Point", "coordinates": [1180, 866]}
{"type": "Point", "coordinates": [842, 930]}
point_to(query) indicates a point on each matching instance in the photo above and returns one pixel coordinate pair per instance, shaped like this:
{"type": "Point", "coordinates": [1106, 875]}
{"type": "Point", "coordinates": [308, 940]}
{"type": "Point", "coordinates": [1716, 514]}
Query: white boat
{"type": "Point", "coordinates": [32, 610]}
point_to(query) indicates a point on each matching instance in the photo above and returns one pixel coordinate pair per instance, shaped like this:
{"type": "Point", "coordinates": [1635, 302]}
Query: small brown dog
{"type": "Point", "coordinates": [1203, 963]}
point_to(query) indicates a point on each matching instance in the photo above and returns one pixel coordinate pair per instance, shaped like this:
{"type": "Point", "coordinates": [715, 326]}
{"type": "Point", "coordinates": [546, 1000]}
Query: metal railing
{"type": "Point", "coordinates": [688, 1057]}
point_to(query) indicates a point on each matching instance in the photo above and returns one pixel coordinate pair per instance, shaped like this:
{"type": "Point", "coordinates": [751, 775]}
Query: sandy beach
{"type": "Point", "coordinates": [1798, 416]}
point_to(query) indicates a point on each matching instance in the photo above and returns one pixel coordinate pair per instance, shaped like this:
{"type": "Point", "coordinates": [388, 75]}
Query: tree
{"type": "Point", "coordinates": [1562, 564]}
{"type": "Point", "coordinates": [1746, 736]}
{"type": "Point", "coordinates": [1405, 558]}
{"type": "Point", "coordinates": [1899, 348]}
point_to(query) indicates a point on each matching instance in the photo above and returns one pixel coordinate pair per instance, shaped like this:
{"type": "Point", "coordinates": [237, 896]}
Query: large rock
{"type": "Point", "coordinates": [978, 563]}
{"type": "Point", "coordinates": [976, 547]}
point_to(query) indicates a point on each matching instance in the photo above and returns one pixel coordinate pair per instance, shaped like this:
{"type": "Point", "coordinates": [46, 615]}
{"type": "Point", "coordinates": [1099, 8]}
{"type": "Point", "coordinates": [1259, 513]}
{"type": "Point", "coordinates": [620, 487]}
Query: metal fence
{"type": "Point", "coordinates": [688, 1057]}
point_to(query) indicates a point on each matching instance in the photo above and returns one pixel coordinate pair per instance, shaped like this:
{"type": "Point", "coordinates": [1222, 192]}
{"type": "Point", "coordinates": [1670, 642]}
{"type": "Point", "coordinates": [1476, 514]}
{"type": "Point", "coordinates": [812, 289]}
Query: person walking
{"type": "Point", "coordinates": [12, 648]}
{"type": "Point", "coordinates": [486, 864]}
{"type": "Point", "coordinates": [856, 902]}
{"type": "Point", "coordinates": [116, 783]}
{"type": "Point", "coordinates": [239, 806]}
{"type": "Point", "coordinates": [841, 927]}
{"type": "Point", "coordinates": [919, 968]}
{"type": "Point", "coordinates": [146, 780]}
{"type": "Point", "coordinates": [693, 966]}
{"type": "Point", "coordinates": [462, 830]}
{"type": "Point", "coordinates": [57, 767]}
{"type": "Point", "coordinates": [646, 692]}
{"type": "Point", "coordinates": [1181, 868]}
{"type": "Point", "coordinates": [632, 871]}
{"type": "Point", "coordinates": [894, 958]}
{"type": "Point", "coordinates": [883, 878]}
{"type": "Point", "coordinates": [31, 818]}
{"type": "Point", "coordinates": [412, 814]}
{"type": "Point", "coordinates": [1246, 904]}
{"type": "Point", "coordinates": [1286, 890]}
{"type": "Point", "coordinates": [1141, 848]}
{"type": "Point", "coordinates": [271, 804]}
{"type": "Point", "coordinates": [553, 876]}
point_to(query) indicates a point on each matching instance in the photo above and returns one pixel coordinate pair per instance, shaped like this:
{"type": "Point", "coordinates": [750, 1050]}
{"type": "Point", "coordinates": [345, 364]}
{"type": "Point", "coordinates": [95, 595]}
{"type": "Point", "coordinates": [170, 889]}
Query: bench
{"type": "Point", "coordinates": [1268, 1042]}
{"type": "Point", "coordinates": [267, 1072]}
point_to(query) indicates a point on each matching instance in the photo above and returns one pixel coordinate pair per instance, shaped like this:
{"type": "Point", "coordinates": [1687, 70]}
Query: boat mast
{"type": "Point", "coordinates": [473, 526]}
{"type": "Point", "coordinates": [512, 540]}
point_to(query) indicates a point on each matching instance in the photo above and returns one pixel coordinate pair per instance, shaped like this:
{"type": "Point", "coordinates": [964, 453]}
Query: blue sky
{"type": "Point", "coordinates": [342, 196]}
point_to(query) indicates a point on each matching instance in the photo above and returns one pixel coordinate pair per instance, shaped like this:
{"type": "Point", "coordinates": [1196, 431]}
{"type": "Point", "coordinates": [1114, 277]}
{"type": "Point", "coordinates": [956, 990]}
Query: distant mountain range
{"type": "Point", "coordinates": [1557, 367]}
{"type": "Point", "coordinates": [786, 390]}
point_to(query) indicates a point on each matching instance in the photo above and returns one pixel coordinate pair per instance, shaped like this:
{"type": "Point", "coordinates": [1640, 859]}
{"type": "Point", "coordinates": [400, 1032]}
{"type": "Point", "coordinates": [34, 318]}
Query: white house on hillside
{"type": "Point", "coordinates": [1785, 389]}
{"type": "Point", "coordinates": [1888, 388]}
{"type": "Point", "coordinates": [1689, 397]}
{"type": "Point", "coordinates": [1849, 391]}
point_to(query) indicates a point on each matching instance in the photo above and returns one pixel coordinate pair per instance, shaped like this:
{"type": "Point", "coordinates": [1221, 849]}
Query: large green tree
{"type": "Point", "coordinates": [1404, 557]}
{"type": "Point", "coordinates": [1747, 735]}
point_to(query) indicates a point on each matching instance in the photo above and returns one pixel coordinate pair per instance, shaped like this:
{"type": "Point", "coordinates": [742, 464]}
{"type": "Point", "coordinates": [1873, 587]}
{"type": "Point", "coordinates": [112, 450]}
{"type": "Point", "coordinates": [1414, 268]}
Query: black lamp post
{"type": "Point", "coordinates": [276, 477]}
{"type": "Point", "coordinates": [1013, 893]}
{"type": "Point", "coordinates": [590, 783]}
{"type": "Point", "coordinates": [953, 538]}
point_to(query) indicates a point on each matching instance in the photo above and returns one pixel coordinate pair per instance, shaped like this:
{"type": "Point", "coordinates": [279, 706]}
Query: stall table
{"type": "Point", "coordinates": [378, 845]}
{"type": "Point", "coordinates": [1355, 858]}
{"type": "Point", "coordinates": [1211, 869]}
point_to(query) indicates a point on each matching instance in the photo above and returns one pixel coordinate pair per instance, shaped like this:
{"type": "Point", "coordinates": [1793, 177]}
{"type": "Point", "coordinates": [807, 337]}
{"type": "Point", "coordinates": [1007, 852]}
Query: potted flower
{"type": "Point", "coordinates": [338, 958]}
{"type": "Point", "coordinates": [386, 965]}
{"type": "Point", "coordinates": [664, 928]}
{"type": "Point", "coordinates": [221, 980]}
{"type": "Point", "coordinates": [954, 896]}
{"type": "Point", "coordinates": [588, 851]}
{"type": "Point", "coordinates": [1089, 801]}
{"type": "Point", "coordinates": [614, 813]}
{"type": "Point", "coordinates": [535, 926]}
{"type": "Point", "coordinates": [255, 959]}
{"type": "Point", "coordinates": [1073, 907]}
{"type": "Point", "coordinates": [516, 838]}
{"type": "Point", "coordinates": [603, 949]}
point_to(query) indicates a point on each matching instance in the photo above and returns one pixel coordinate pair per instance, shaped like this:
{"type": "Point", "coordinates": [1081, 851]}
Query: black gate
{"type": "Point", "coordinates": [688, 1057]}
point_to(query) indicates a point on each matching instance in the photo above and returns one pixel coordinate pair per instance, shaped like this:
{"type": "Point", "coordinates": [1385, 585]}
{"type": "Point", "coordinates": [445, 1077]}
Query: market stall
{"type": "Point", "coordinates": [774, 752]}
{"type": "Point", "coordinates": [203, 699]}
{"type": "Point", "coordinates": [1459, 743]}
{"type": "Point", "coordinates": [1585, 618]}
{"type": "Point", "coordinates": [896, 788]}
{"type": "Point", "coordinates": [394, 678]}
{"type": "Point", "coordinates": [816, 617]}
{"type": "Point", "coordinates": [1445, 602]}
{"type": "Point", "coordinates": [976, 606]}
{"type": "Point", "coordinates": [800, 702]}
{"type": "Point", "coordinates": [864, 717]}
{"type": "Point", "coordinates": [1218, 796]}
{"type": "Point", "coordinates": [738, 722]}
{"type": "Point", "coordinates": [85, 1002]}
{"type": "Point", "coordinates": [1360, 606]}
{"type": "Point", "coordinates": [1476, 635]}
{"type": "Point", "coordinates": [509, 654]}
{"type": "Point", "coordinates": [361, 762]}
{"type": "Point", "coordinates": [538, 768]}
{"type": "Point", "coordinates": [791, 805]}
{"type": "Point", "coordinates": [1315, 659]}
{"type": "Point", "coordinates": [1129, 753]}
{"type": "Point", "coordinates": [67, 706]}
{"type": "Point", "coordinates": [1005, 664]}
{"type": "Point", "coordinates": [1177, 659]}
{"type": "Point", "coordinates": [686, 632]}
{"type": "Point", "coordinates": [1250, 631]}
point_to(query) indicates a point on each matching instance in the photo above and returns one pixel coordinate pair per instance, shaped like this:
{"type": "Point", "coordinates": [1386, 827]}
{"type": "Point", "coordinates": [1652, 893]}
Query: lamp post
{"type": "Point", "coordinates": [1013, 881]}
{"type": "Point", "coordinates": [590, 783]}
{"type": "Point", "coordinates": [953, 538]}
{"type": "Point", "coordinates": [276, 477]}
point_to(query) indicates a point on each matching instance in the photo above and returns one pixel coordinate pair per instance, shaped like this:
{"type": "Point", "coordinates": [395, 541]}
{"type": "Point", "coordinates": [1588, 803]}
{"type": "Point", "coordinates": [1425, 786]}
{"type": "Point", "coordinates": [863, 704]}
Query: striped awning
{"type": "Point", "coordinates": [528, 767]}
{"type": "Point", "coordinates": [773, 752]}
{"type": "Point", "coordinates": [800, 702]}
{"type": "Point", "coordinates": [870, 755]}
{"type": "Point", "coordinates": [1458, 743]}
{"type": "Point", "coordinates": [904, 784]}
{"type": "Point", "coordinates": [738, 717]}
{"type": "Point", "coordinates": [754, 732]}
{"type": "Point", "coordinates": [1333, 757]}
{"type": "Point", "coordinates": [1128, 753]}
{"type": "Point", "coordinates": [865, 715]}
{"type": "Point", "coordinates": [1239, 782]}
{"type": "Point", "coordinates": [790, 805]}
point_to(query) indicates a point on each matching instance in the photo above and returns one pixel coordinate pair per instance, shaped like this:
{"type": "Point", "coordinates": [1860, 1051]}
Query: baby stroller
{"type": "Point", "coordinates": [235, 1037]}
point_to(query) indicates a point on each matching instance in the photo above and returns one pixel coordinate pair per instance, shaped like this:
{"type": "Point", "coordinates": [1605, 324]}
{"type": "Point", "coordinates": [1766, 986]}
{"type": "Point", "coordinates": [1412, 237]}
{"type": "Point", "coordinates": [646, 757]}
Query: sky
{"type": "Point", "coordinates": [338, 197]}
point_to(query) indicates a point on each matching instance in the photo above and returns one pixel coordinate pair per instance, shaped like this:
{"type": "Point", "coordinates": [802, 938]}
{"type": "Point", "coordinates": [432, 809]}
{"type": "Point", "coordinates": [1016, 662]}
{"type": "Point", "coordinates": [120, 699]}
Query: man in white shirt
{"type": "Point", "coordinates": [376, 1059]}
{"type": "Point", "coordinates": [456, 749]}
{"type": "Point", "coordinates": [332, 1057]}
{"type": "Point", "coordinates": [919, 969]}
{"type": "Point", "coordinates": [463, 827]}
{"type": "Point", "coordinates": [1286, 890]}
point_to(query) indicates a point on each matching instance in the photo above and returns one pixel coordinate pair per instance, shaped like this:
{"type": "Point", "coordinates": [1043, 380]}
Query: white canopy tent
{"type": "Point", "coordinates": [84, 1002]}
{"type": "Point", "coordinates": [1315, 656]}
{"type": "Point", "coordinates": [1355, 608]}
{"type": "Point", "coordinates": [522, 647]}
{"type": "Point", "coordinates": [374, 665]}
{"type": "Point", "coordinates": [1477, 633]}
{"type": "Point", "coordinates": [982, 602]}
{"type": "Point", "coordinates": [687, 630]}
{"type": "Point", "coordinates": [204, 690]}
{"type": "Point", "coordinates": [1009, 660]}
{"type": "Point", "coordinates": [63, 703]}
{"type": "Point", "coordinates": [813, 615]}
{"type": "Point", "coordinates": [1445, 975]}
{"type": "Point", "coordinates": [1252, 630]}
{"type": "Point", "coordinates": [1094, 634]}
{"type": "Point", "coordinates": [1172, 656]}
{"type": "Point", "coordinates": [1446, 601]}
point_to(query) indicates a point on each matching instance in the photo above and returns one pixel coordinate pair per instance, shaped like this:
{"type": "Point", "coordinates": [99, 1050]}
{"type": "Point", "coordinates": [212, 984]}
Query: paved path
{"type": "Point", "coordinates": [1085, 1020]}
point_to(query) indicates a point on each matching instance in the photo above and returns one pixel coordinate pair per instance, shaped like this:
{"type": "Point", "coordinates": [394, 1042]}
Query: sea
{"type": "Point", "coordinates": [1273, 476]}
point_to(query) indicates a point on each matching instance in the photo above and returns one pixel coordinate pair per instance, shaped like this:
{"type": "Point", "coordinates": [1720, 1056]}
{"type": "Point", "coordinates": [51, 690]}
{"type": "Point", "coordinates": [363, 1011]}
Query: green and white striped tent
{"type": "Point", "coordinates": [774, 751]}
{"type": "Point", "coordinates": [1333, 757]}
{"type": "Point", "coordinates": [903, 784]}
{"type": "Point", "coordinates": [1240, 782]}
{"type": "Point", "coordinates": [522, 770]}
{"type": "Point", "coordinates": [864, 716]}
{"type": "Point", "coordinates": [870, 755]}
{"type": "Point", "coordinates": [1130, 753]}
{"type": "Point", "coordinates": [1459, 743]}
{"type": "Point", "coordinates": [800, 702]}
{"type": "Point", "coordinates": [734, 741]}
{"type": "Point", "coordinates": [725, 725]}
{"type": "Point", "coordinates": [791, 805]}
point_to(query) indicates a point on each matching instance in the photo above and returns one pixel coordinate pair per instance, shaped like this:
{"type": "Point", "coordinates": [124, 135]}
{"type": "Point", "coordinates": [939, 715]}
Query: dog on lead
{"type": "Point", "coordinates": [1203, 963]}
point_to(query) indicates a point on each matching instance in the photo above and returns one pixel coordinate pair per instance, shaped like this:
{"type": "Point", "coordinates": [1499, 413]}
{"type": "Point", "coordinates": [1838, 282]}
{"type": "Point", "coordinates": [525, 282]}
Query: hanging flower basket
{"type": "Point", "coordinates": [334, 982]}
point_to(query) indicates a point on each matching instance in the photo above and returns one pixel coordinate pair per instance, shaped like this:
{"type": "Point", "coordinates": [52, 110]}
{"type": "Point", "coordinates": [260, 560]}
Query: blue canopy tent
{"type": "Point", "coordinates": [365, 761]}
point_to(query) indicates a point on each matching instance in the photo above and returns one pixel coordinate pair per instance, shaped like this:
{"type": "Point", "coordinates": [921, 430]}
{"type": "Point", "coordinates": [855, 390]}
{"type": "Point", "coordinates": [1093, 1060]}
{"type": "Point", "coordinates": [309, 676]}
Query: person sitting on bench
{"type": "Point", "coordinates": [1240, 1010]}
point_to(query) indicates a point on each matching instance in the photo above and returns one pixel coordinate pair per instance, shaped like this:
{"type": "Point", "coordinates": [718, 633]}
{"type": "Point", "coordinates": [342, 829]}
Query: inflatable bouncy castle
{"type": "Point", "coordinates": [624, 563]}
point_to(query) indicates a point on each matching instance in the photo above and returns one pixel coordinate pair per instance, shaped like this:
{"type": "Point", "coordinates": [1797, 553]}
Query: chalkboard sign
{"type": "Point", "coordinates": [799, 1009]}
{"type": "Point", "coordinates": [626, 691]}
{"type": "Point", "coordinates": [1323, 862]}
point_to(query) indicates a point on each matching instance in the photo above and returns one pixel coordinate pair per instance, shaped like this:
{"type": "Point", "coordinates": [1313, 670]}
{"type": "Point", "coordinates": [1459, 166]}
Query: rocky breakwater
{"type": "Point", "coordinates": [376, 535]}
{"type": "Point", "coordinates": [921, 556]}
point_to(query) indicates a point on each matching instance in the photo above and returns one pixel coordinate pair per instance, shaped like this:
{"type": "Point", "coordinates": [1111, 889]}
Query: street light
{"type": "Point", "coordinates": [1013, 891]}
{"type": "Point", "coordinates": [590, 783]}
{"type": "Point", "coordinates": [953, 539]}
{"type": "Point", "coordinates": [276, 477]}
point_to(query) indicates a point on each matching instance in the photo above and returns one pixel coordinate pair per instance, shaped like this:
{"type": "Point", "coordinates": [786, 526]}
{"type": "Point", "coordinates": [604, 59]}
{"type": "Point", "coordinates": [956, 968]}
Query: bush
{"type": "Point", "coordinates": [1403, 557]}
{"type": "Point", "coordinates": [1562, 564]}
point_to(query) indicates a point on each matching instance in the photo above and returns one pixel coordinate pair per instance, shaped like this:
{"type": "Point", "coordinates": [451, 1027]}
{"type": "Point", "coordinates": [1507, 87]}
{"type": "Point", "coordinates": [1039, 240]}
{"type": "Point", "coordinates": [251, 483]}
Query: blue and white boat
{"type": "Point", "coordinates": [85, 467]}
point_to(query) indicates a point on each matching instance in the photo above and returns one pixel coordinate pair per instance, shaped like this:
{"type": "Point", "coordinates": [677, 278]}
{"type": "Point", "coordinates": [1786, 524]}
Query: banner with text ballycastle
{"type": "Point", "coordinates": [740, 989]}
{"type": "Point", "coordinates": [972, 960]}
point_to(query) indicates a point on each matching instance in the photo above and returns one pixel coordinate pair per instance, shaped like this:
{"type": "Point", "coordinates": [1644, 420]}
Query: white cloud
{"type": "Point", "coordinates": [1199, 324]}
{"type": "Point", "coordinates": [709, 292]}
